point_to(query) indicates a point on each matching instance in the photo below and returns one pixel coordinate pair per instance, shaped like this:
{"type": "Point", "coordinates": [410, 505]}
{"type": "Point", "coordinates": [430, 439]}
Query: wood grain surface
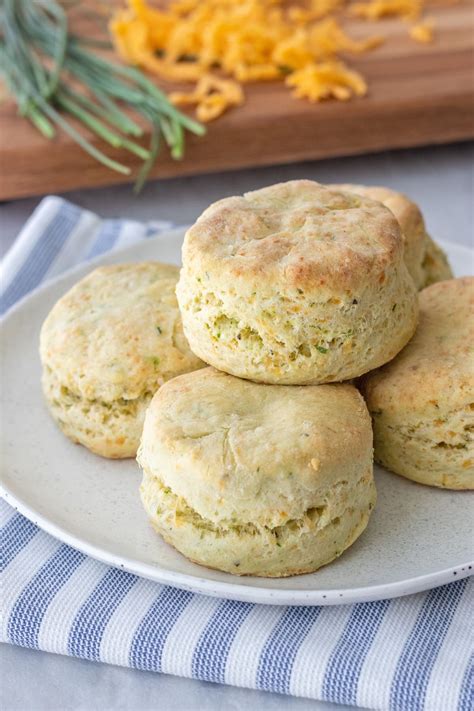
{"type": "Point", "coordinates": [418, 95]}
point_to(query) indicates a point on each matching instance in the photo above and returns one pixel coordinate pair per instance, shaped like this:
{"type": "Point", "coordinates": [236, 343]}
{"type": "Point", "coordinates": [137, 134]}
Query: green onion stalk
{"type": "Point", "coordinates": [53, 76]}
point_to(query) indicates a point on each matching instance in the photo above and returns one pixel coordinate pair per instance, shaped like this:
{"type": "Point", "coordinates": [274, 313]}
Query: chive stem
{"type": "Point", "coordinates": [39, 56]}
{"type": "Point", "coordinates": [99, 128]}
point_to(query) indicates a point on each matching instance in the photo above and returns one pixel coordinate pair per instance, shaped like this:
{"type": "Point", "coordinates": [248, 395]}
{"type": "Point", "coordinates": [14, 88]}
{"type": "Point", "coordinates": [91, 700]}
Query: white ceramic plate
{"type": "Point", "coordinates": [418, 537]}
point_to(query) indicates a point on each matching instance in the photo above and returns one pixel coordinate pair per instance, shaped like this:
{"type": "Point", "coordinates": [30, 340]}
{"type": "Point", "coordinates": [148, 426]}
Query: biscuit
{"type": "Point", "coordinates": [435, 264]}
{"type": "Point", "coordinates": [425, 260]}
{"type": "Point", "coordinates": [422, 403]}
{"type": "Point", "coordinates": [106, 347]}
{"type": "Point", "coordinates": [257, 479]}
{"type": "Point", "coordinates": [296, 284]}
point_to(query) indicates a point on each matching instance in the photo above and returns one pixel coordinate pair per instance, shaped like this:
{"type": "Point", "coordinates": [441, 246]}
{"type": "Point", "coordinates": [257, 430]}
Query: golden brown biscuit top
{"type": "Point", "coordinates": [301, 233]}
{"type": "Point", "coordinates": [408, 214]}
{"type": "Point", "coordinates": [436, 369]}
{"type": "Point", "coordinates": [117, 333]}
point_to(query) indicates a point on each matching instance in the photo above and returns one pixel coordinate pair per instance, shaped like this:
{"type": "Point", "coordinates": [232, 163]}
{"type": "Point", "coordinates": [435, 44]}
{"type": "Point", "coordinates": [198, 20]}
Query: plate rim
{"type": "Point", "coordinates": [204, 586]}
{"type": "Point", "coordinates": [242, 593]}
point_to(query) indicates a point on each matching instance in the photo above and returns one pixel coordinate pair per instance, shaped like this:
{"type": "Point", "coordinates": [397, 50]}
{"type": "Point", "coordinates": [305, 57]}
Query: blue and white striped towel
{"type": "Point", "coordinates": [405, 654]}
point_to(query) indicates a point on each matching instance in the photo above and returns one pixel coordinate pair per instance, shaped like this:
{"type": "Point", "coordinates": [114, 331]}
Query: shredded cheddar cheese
{"type": "Point", "coordinates": [376, 9]}
{"type": "Point", "coordinates": [315, 10]}
{"type": "Point", "coordinates": [211, 95]}
{"type": "Point", "coordinates": [423, 32]}
{"type": "Point", "coordinates": [325, 80]}
{"type": "Point", "coordinates": [218, 45]}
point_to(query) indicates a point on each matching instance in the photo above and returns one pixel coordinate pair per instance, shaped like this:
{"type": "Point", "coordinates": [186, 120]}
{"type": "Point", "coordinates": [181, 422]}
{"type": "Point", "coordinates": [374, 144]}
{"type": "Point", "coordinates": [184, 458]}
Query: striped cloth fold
{"type": "Point", "coordinates": [410, 653]}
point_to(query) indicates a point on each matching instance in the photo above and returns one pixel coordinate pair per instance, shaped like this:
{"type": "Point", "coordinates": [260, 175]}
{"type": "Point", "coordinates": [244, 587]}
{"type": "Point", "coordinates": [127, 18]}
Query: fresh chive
{"type": "Point", "coordinates": [148, 164]}
{"type": "Point", "coordinates": [41, 122]}
{"type": "Point", "coordinates": [38, 58]}
{"type": "Point", "coordinates": [99, 128]}
{"type": "Point", "coordinates": [105, 109]}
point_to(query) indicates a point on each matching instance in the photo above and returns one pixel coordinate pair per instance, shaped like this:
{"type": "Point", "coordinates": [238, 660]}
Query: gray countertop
{"type": "Point", "coordinates": [440, 179]}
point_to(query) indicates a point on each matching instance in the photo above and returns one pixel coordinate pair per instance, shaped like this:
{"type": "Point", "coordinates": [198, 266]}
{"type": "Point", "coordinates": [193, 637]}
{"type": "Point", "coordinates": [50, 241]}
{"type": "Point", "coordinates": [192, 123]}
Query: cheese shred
{"type": "Point", "coordinates": [423, 32]}
{"type": "Point", "coordinates": [218, 45]}
{"type": "Point", "coordinates": [376, 9]}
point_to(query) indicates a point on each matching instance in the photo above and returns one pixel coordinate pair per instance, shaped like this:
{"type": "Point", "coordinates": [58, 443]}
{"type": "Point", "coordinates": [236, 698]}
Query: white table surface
{"type": "Point", "coordinates": [440, 179]}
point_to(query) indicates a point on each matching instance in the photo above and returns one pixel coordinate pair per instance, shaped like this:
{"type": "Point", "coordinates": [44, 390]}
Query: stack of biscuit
{"type": "Point", "coordinates": [262, 463]}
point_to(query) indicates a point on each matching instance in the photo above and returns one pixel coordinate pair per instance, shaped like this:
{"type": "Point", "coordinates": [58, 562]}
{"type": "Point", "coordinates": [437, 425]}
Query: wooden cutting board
{"type": "Point", "coordinates": [418, 95]}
